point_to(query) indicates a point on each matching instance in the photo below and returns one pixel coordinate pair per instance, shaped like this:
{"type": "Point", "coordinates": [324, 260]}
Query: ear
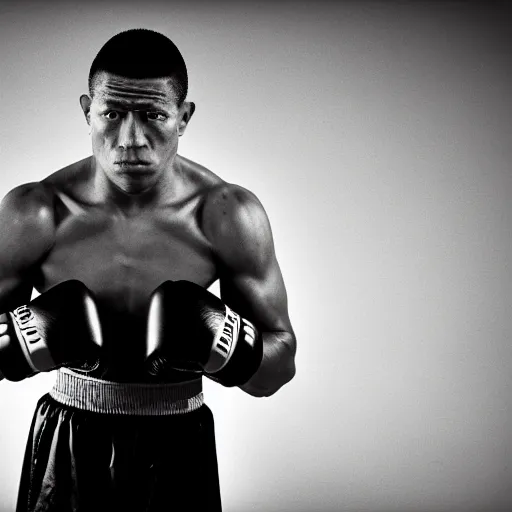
{"type": "Point", "coordinates": [85, 103]}
{"type": "Point", "coordinates": [186, 112]}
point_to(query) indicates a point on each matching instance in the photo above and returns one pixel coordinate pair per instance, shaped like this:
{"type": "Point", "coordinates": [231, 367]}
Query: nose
{"type": "Point", "coordinates": [131, 132]}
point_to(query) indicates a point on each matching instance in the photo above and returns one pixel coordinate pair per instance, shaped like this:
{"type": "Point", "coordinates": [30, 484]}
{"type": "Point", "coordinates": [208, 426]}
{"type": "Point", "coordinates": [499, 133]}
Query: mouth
{"type": "Point", "coordinates": [134, 168]}
{"type": "Point", "coordinates": [132, 163]}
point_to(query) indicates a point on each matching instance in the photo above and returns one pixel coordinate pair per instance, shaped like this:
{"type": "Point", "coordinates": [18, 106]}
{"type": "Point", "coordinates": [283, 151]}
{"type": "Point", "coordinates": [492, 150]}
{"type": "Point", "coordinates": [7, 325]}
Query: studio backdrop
{"type": "Point", "coordinates": [377, 135]}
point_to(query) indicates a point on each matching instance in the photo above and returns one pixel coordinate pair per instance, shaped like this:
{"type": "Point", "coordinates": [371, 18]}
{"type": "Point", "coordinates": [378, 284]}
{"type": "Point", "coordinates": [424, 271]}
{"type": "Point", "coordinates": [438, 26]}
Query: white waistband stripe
{"type": "Point", "coordinates": [96, 395]}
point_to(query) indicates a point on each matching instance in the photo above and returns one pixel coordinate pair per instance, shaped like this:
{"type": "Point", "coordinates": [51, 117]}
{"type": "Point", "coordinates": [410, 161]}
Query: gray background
{"type": "Point", "coordinates": [378, 137]}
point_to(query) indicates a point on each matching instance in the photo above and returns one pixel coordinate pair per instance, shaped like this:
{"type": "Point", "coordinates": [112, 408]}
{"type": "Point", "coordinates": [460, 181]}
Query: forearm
{"type": "Point", "coordinates": [277, 366]}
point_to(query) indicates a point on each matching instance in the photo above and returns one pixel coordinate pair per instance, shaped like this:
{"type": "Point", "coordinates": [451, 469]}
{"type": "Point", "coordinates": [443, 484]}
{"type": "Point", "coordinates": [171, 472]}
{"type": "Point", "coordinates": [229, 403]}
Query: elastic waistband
{"type": "Point", "coordinates": [96, 395]}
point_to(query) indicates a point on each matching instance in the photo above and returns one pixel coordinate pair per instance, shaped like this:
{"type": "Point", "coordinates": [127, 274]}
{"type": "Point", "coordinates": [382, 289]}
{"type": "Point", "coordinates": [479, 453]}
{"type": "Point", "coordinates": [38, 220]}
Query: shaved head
{"type": "Point", "coordinates": [141, 53]}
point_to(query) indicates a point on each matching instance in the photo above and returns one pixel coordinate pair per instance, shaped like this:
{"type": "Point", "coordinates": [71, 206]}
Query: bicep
{"type": "Point", "coordinates": [26, 230]}
{"type": "Point", "coordinates": [261, 297]}
{"type": "Point", "coordinates": [250, 277]}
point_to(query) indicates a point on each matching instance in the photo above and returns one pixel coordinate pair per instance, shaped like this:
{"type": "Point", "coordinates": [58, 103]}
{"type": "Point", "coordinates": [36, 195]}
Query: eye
{"type": "Point", "coordinates": [112, 115]}
{"type": "Point", "coordinates": [156, 116]}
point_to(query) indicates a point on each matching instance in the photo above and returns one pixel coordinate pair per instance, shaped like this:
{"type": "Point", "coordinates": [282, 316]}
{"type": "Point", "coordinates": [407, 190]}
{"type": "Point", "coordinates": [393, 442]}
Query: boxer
{"type": "Point", "coordinates": [145, 231]}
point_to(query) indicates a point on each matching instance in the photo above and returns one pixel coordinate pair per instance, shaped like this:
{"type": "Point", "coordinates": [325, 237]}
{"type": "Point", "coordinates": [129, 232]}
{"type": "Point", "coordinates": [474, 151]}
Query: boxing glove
{"type": "Point", "coordinates": [58, 328]}
{"type": "Point", "coordinates": [191, 329]}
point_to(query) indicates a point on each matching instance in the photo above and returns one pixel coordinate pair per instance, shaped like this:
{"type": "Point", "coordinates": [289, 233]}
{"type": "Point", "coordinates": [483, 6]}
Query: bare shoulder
{"type": "Point", "coordinates": [29, 210]}
{"type": "Point", "coordinates": [232, 219]}
{"type": "Point", "coordinates": [222, 202]}
{"type": "Point", "coordinates": [233, 204]}
{"type": "Point", "coordinates": [27, 232]}
{"type": "Point", "coordinates": [70, 180]}
{"type": "Point", "coordinates": [238, 227]}
{"type": "Point", "coordinates": [29, 203]}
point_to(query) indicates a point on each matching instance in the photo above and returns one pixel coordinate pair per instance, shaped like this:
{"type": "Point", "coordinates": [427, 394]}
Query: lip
{"type": "Point", "coordinates": [132, 163]}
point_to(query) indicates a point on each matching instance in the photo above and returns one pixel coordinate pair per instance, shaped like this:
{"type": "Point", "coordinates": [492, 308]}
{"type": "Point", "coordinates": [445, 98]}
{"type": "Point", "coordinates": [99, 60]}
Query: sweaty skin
{"type": "Point", "coordinates": [136, 214]}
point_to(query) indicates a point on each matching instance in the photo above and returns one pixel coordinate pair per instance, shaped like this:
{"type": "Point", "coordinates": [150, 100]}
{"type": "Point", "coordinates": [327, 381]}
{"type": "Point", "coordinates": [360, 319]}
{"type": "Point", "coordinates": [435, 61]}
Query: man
{"type": "Point", "coordinates": [122, 246]}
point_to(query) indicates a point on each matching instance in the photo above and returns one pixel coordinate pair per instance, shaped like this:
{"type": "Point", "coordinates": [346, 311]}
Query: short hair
{"type": "Point", "coordinates": [141, 53]}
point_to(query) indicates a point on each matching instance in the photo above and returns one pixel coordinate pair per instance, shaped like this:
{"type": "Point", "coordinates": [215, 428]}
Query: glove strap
{"type": "Point", "coordinates": [224, 343]}
{"type": "Point", "coordinates": [31, 340]}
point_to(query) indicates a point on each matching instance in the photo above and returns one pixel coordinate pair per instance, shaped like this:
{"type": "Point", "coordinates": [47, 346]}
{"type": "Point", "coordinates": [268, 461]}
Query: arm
{"type": "Point", "coordinates": [26, 235]}
{"type": "Point", "coordinates": [35, 336]}
{"type": "Point", "coordinates": [251, 282]}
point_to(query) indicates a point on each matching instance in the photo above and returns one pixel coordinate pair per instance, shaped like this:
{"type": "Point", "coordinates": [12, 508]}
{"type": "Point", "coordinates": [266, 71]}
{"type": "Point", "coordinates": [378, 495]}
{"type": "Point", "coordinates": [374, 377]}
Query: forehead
{"type": "Point", "coordinates": [134, 91]}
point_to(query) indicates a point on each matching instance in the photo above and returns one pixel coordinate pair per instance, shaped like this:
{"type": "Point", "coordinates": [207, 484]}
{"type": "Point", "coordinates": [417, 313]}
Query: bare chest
{"type": "Point", "coordinates": [124, 259]}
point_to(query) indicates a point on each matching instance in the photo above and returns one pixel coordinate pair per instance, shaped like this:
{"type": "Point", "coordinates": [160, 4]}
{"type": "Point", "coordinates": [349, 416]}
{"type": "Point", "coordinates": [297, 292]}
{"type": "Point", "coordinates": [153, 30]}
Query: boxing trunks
{"type": "Point", "coordinates": [97, 446]}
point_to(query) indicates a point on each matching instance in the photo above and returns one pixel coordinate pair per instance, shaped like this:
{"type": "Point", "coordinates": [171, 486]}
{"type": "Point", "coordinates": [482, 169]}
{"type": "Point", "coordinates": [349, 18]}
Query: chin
{"type": "Point", "coordinates": [139, 187]}
{"type": "Point", "coordinates": [134, 184]}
